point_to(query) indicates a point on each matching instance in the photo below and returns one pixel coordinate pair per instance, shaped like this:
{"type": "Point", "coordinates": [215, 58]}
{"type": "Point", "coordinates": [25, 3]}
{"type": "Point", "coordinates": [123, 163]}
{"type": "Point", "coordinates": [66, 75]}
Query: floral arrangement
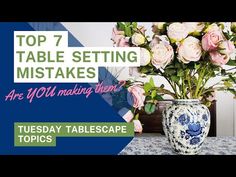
{"type": "Point", "coordinates": [186, 54]}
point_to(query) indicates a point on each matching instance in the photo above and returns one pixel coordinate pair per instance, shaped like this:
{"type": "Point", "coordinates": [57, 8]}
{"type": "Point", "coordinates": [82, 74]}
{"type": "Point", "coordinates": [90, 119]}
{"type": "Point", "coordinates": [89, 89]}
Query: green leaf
{"type": "Point", "coordinates": [121, 26]}
{"type": "Point", "coordinates": [147, 87]}
{"type": "Point", "coordinates": [178, 65]}
{"type": "Point", "coordinates": [135, 24]}
{"type": "Point", "coordinates": [231, 63]}
{"type": "Point", "coordinates": [232, 78]}
{"type": "Point", "coordinates": [150, 108]}
{"type": "Point", "coordinates": [180, 73]}
{"type": "Point", "coordinates": [197, 66]}
{"type": "Point", "coordinates": [148, 98]}
{"type": "Point", "coordinates": [213, 74]}
{"type": "Point", "coordinates": [227, 35]}
{"type": "Point", "coordinates": [154, 94]}
{"type": "Point", "coordinates": [136, 116]}
{"type": "Point", "coordinates": [170, 72]}
{"type": "Point", "coordinates": [187, 72]}
{"type": "Point", "coordinates": [208, 104]}
{"type": "Point", "coordinates": [128, 31]}
{"type": "Point", "coordinates": [159, 98]}
{"type": "Point", "coordinates": [175, 78]}
{"type": "Point", "coordinates": [233, 38]}
{"type": "Point", "coordinates": [151, 82]}
{"type": "Point", "coordinates": [228, 84]}
{"type": "Point", "coordinates": [170, 66]}
{"type": "Point", "coordinates": [144, 70]}
{"type": "Point", "coordinates": [232, 91]}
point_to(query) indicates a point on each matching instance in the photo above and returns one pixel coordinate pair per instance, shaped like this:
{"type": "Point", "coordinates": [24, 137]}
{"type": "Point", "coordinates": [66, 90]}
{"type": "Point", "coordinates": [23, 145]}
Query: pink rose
{"type": "Point", "coordinates": [211, 40]}
{"type": "Point", "coordinates": [218, 58]}
{"type": "Point", "coordinates": [163, 53]}
{"type": "Point", "coordinates": [226, 47]}
{"type": "Point", "coordinates": [128, 116]}
{"type": "Point", "coordinates": [123, 42]}
{"type": "Point", "coordinates": [119, 39]}
{"type": "Point", "coordinates": [117, 34]}
{"type": "Point", "coordinates": [138, 97]}
{"type": "Point", "coordinates": [137, 126]}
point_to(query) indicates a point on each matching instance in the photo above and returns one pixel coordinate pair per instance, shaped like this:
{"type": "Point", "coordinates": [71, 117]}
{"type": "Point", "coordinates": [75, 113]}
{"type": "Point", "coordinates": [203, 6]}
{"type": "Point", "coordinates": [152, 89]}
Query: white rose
{"type": "Point", "coordinates": [189, 50]}
{"type": "Point", "coordinates": [163, 53]}
{"type": "Point", "coordinates": [138, 39]}
{"type": "Point", "coordinates": [177, 32]}
{"type": "Point", "coordinates": [145, 57]}
{"type": "Point", "coordinates": [159, 25]}
{"type": "Point", "coordinates": [194, 27]}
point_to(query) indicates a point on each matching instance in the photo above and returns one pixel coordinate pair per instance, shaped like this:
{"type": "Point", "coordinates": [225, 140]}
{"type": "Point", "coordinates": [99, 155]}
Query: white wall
{"type": "Point", "coordinates": [234, 117]}
{"type": "Point", "coordinates": [99, 34]}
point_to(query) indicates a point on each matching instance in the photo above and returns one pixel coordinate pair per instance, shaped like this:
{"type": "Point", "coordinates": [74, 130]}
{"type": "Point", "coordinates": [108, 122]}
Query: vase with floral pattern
{"type": "Point", "coordinates": [186, 124]}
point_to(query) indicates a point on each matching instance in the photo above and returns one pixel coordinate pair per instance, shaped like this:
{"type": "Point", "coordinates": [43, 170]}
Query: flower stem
{"type": "Point", "coordinates": [189, 85]}
{"type": "Point", "coordinates": [200, 79]}
{"type": "Point", "coordinates": [165, 91]}
{"type": "Point", "coordinates": [202, 88]}
{"type": "Point", "coordinates": [173, 86]}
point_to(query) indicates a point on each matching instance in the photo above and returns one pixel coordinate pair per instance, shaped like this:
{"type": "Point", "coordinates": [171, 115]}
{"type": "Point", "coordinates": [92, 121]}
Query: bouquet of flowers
{"type": "Point", "coordinates": [187, 55]}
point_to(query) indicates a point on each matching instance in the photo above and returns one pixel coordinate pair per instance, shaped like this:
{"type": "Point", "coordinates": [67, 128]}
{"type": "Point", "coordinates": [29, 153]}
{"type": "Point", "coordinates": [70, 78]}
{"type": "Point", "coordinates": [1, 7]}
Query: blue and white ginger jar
{"type": "Point", "coordinates": [186, 124]}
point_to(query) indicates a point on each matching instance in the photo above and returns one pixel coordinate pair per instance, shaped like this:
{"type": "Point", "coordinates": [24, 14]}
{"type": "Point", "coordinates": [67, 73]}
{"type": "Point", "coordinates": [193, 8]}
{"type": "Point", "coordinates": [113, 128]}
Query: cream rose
{"type": "Point", "coordinates": [145, 57]}
{"type": "Point", "coordinates": [233, 26]}
{"type": "Point", "coordinates": [189, 50]}
{"type": "Point", "coordinates": [138, 39]}
{"type": "Point", "coordinates": [177, 32]}
{"type": "Point", "coordinates": [194, 27]}
{"type": "Point", "coordinates": [157, 26]}
{"type": "Point", "coordinates": [163, 53]}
